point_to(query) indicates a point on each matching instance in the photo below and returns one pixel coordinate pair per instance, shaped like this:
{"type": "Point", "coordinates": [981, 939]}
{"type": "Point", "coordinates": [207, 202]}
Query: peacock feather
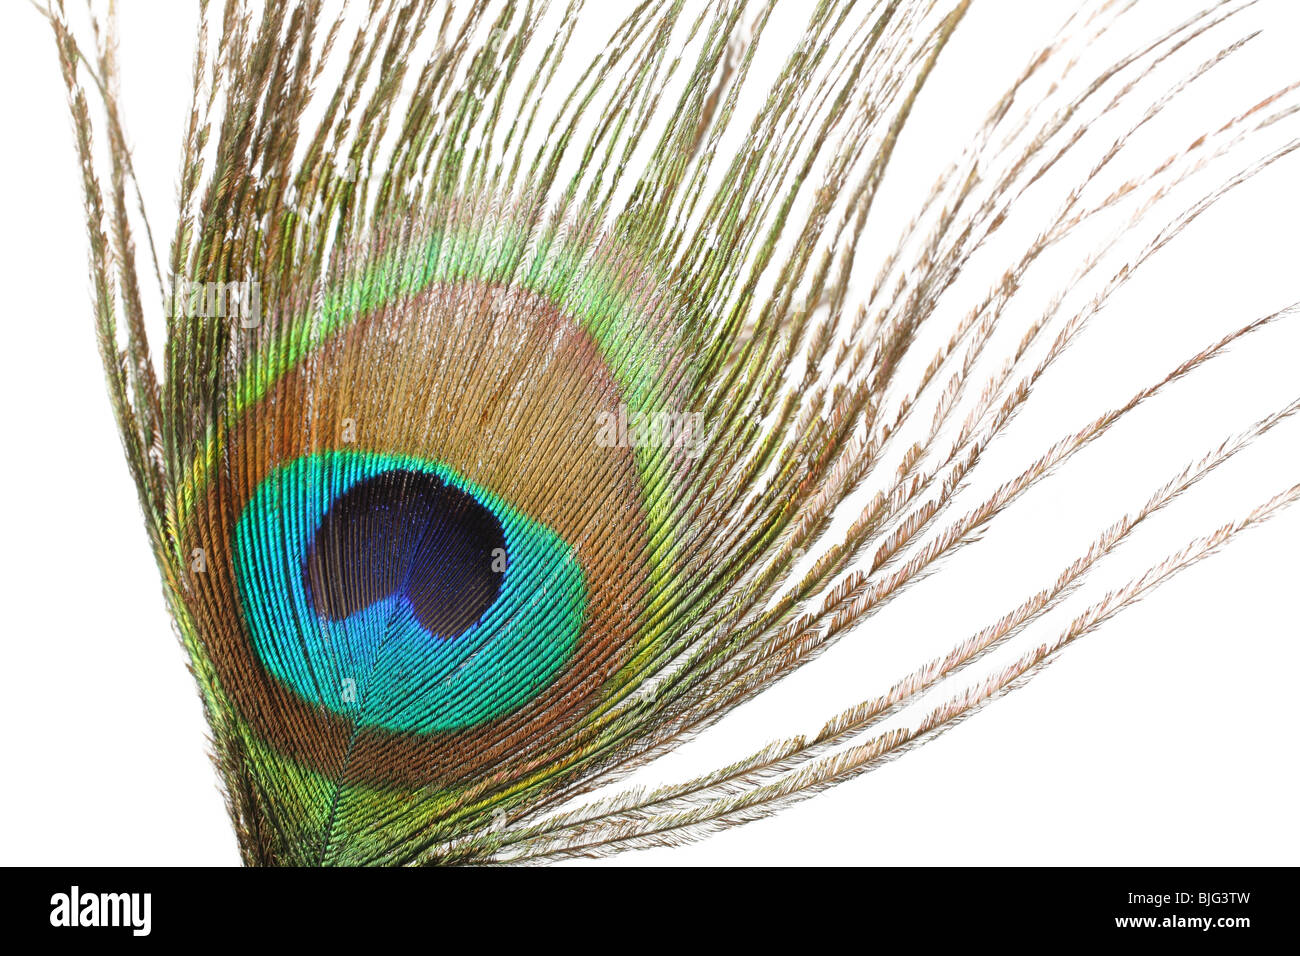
{"type": "Point", "coordinates": [524, 408]}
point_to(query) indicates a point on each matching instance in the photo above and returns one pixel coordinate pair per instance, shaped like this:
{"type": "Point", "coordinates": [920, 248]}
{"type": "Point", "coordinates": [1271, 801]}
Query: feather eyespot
{"type": "Point", "coordinates": [369, 587]}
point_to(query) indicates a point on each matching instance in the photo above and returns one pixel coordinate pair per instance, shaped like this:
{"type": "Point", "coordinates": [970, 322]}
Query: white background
{"type": "Point", "coordinates": [1167, 738]}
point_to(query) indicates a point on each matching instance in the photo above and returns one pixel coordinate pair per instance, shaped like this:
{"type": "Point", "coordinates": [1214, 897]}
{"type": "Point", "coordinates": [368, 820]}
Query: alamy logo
{"type": "Point", "coordinates": [660, 429]}
{"type": "Point", "coordinates": [217, 300]}
{"type": "Point", "coordinates": [102, 909]}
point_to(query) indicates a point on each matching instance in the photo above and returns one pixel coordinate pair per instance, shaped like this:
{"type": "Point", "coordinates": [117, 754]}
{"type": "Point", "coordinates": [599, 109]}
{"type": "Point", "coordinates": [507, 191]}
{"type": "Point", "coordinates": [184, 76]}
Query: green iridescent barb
{"type": "Point", "coordinates": [525, 407]}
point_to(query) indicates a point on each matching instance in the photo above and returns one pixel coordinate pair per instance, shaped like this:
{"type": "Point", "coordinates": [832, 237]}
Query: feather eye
{"type": "Point", "coordinates": [425, 520]}
{"type": "Point", "coordinates": [548, 430]}
{"type": "Point", "coordinates": [413, 602]}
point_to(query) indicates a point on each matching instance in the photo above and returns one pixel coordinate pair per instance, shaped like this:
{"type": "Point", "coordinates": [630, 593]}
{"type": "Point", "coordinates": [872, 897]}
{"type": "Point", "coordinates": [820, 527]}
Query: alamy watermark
{"type": "Point", "coordinates": [76, 908]}
{"type": "Point", "coordinates": [660, 429]}
{"type": "Point", "coordinates": [240, 300]}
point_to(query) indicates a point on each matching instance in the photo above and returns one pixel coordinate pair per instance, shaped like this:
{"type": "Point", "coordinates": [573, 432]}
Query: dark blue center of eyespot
{"type": "Point", "coordinates": [408, 533]}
